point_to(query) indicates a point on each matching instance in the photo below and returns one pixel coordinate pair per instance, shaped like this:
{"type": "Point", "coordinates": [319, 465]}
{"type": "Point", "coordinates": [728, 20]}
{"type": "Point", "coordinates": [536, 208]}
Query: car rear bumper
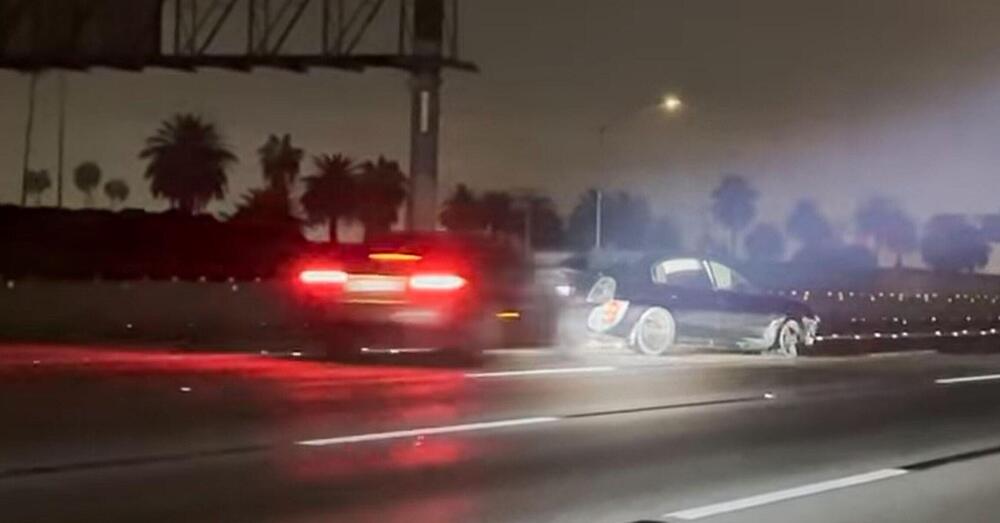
{"type": "Point", "coordinates": [389, 314]}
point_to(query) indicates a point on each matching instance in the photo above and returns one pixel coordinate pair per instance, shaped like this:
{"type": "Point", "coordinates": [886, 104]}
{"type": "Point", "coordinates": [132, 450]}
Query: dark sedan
{"type": "Point", "coordinates": [691, 301]}
{"type": "Point", "coordinates": [453, 292]}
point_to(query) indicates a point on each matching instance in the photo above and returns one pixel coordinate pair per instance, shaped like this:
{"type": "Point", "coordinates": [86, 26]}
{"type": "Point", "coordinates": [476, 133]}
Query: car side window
{"type": "Point", "coordinates": [682, 272]}
{"type": "Point", "coordinates": [727, 279]}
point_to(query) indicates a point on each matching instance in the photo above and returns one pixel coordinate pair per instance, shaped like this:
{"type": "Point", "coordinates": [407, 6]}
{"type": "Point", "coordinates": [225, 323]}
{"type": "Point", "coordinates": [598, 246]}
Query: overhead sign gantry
{"type": "Point", "coordinates": [420, 37]}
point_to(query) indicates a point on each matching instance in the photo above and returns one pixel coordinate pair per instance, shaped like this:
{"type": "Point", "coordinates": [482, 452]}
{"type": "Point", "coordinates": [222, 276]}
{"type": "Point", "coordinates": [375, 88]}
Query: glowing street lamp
{"type": "Point", "coordinates": [671, 103]}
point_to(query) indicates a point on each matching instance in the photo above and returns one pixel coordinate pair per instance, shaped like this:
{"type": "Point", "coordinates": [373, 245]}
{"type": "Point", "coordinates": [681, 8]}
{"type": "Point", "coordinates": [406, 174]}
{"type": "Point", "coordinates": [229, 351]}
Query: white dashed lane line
{"type": "Point", "coordinates": [540, 372]}
{"type": "Point", "coordinates": [967, 379]}
{"type": "Point", "coordinates": [783, 495]}
{"type": "Point", "coordinates": [426, 431]}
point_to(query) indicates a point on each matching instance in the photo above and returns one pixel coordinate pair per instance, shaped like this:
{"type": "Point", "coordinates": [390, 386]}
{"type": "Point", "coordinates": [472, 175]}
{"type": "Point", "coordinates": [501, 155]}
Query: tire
{"type": "Point", "coordinates": [654, 333]}
{"type": "Point", "coordinates": [788, 339]}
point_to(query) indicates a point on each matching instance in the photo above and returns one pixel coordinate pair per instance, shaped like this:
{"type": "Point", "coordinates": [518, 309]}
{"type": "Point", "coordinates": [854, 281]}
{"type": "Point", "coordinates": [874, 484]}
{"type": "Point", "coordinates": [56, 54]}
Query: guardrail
{"type": "Point", "coordinates": [881, 315]}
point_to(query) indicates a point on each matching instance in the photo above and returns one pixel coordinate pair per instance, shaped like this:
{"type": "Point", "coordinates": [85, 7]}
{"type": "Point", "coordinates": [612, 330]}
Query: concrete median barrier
{"type": "Point", "coordinates": [181, 311]}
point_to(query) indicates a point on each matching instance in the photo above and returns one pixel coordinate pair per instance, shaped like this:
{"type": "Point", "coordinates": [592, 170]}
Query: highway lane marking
{"type": "Point", "coordinates": [901, 354]}
{"type": "Point", "coordinates": [784, 495]}
{"type": "Point", "coordinates": [515, 422]}
{"type": "Point", "coordinates": [536, 372]}
{"type": "Point", "coordinates": [967, 379]}
{"type": "Point", "coordinates": [426, 431]}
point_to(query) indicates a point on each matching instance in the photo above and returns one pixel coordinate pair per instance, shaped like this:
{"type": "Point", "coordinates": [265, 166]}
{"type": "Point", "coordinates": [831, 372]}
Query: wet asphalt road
{"type": "Point", "coordinates": [119, 434]}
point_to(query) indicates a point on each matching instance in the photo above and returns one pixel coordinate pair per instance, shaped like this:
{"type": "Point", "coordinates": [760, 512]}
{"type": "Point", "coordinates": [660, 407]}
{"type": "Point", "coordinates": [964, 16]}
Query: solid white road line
{"type": "Point", "coordinates": [967, 379]}
{"type": "Point", "coordinates": [782, 495]}
{"type": "Point", "coordinates": [535, 372]}
{"type": "Point", "coordinates": [376, 436]}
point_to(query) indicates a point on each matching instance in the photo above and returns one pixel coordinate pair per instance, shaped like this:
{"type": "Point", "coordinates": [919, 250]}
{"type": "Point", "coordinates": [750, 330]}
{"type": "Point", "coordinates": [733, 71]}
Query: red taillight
{"type": "Point", "coordinates": [323, 277]}
{"type": "Point", "coordinates": [437, 282]}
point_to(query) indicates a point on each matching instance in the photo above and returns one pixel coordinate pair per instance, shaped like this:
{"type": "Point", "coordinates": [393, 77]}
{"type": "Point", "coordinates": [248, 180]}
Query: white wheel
{"type": "Point", "coordinates": [654, 333]}
{"type": "Point", "coordinates": [788, 339]}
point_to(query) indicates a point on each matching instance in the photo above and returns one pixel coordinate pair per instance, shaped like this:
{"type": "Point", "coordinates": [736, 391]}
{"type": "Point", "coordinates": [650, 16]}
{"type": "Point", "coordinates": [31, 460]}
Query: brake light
{"type": "Point", "coordinates": [323, 277]}
{"type": "Point", "coordinates": [394, 257]}
{"type": "Point", "coordinates": [437, 282]}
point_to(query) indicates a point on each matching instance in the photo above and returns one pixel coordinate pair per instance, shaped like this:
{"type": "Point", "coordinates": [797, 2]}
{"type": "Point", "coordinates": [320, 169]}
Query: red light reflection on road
{"type": "Point", "coordinates": [346, 462]}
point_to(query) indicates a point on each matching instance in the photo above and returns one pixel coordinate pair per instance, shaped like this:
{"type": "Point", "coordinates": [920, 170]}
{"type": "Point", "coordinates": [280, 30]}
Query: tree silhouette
{"type": "Point", "coordinates": [36, 183]}
{"type": "Point", "coordinates": [461, 211]}
{"type": "Point", "coordinates": [870, 217]}
{"type": "Point", "coordinates": [580, 228]}
{"type": "Point", "coordinates": [117, 191]}
{"type": "Point", "coordinates": [900, 236]}
{"type": "Point", "coordinates": [952, 244]}
{"type": "Point", "coordinates": [86, 177]}
{"type": "Point", "coordinates": [734, 205]}
{"type": "Point", "coordinates": [764, 243]}
{"type": "Point", "coordinates": [381, 190]}
{"type": "Point", "coordinates": [187, 163]}
{"type": "Point", "coordinates": [268, 206]}
{"type": "Point", "coordinates": [663, 236]}
{"type": "Point", "coordinates": [537, 216]}
{"type": "Point", "coordinates": [498, 211]}
{"type": "Point", "coordinates": [624, 220]}
{"type": "Point", "coordinates": [886, 226]}
{"type": "Point", "coordinates": [280, 162]}
{"type": "Point", "coordinates": [807, 224]}
{"type": "Point", "coordinates": [329, 195]}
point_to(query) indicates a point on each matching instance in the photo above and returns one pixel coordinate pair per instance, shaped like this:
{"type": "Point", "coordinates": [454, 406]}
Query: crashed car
{"type": "Point", "coordinates": [688, 301]}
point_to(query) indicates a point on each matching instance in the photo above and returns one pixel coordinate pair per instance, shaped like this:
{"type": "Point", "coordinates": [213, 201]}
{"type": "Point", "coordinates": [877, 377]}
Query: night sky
{"type": "Point", "coordinates": [833, 99]}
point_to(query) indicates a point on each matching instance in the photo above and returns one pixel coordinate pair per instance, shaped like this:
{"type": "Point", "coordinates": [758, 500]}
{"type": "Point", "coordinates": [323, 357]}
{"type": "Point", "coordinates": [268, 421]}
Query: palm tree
{"type": "Point", "coordinates": [280, 161]}
{"type": "Point", "coordinates": [117, 191]}
{"type": "Point", "coordinates": [86, 177]}
{"type": "Point", "coordinates": [36, 183]}
{"type": "Point", "coordinates": [381, 190]}
{"type": "Point", "coordinates": [734, 205]}
{"type": "Point", "coordinates": [329, 194]}
{"type": "Point", "coordinates": [187, 162]}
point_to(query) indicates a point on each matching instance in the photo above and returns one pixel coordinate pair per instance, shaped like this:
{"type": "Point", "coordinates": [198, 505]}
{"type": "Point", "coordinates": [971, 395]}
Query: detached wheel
{"type": "Point", "coordinates": [655, 332]}
{"type": "Point", "coordinates": [788, 340]}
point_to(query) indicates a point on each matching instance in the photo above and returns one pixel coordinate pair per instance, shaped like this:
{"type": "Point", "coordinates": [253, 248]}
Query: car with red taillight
{"type": "Point", "coordinates": [447, 291]}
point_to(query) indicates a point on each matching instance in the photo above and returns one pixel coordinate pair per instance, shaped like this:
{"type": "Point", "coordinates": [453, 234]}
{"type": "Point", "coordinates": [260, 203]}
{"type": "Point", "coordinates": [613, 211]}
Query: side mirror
{"type": "Point", "coordinates": [603, 290]}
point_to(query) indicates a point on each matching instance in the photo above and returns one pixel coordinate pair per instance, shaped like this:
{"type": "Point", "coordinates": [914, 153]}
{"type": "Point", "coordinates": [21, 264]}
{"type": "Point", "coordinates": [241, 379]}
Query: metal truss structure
{"type": "Point", "coordinates": [235, 34]}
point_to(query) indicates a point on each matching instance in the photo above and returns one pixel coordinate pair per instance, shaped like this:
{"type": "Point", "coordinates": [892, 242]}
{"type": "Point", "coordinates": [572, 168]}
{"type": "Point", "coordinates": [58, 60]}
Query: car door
{"type": "Point", "coordinates": [684, 287]}
{"type": "Point", "coordinates": [743, 313]}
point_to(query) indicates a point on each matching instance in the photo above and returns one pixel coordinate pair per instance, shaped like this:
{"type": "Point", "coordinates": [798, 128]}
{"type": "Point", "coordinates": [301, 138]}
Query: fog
{"type": "Point", "coordinates": [836, 100]}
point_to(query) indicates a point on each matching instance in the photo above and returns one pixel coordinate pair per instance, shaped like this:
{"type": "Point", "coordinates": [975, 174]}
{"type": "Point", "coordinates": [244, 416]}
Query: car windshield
{"type": "Point", "coordinates": [506, 261]}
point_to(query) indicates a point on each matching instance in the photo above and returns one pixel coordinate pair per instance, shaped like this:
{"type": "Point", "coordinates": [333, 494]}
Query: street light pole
{"type": "Point", "coordinates": [28, 128]}
{"type": "Point", "coordinates": [62, 139]}
{"type": "Point", "coordinates": [598, 218]}
{"type": "Point", "coordinates": [669, 103]}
